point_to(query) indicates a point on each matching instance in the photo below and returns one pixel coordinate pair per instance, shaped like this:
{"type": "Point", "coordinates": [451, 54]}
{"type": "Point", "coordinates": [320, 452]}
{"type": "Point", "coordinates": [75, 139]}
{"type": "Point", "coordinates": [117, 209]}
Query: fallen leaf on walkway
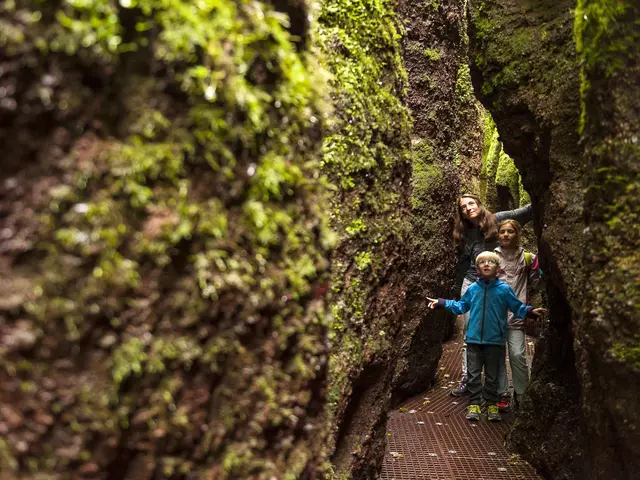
{"type": "Point", "coordinates": [412, 411]}
{"type": "Point", "coordinates": [90, 468]}
{"type": "Point", "coordinates": [426, 402]}
{"type": "Point", "coordinates": [455, 403]}
{"type": "Point", "coordinates": [402, 409]}
{"type": "Point", "coordinates": [396, 454]}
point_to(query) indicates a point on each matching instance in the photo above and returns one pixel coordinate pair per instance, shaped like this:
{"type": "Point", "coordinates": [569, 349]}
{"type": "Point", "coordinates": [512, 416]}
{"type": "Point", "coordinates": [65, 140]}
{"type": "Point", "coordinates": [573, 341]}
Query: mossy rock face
{"type": "Point", "coordinates": [446, 154]}
{"type": "Point", "coordinates": [528, 72]}
{"type": "Point", "coordinates": [525, 69]}
{"type": "Point", "coordinates": [500, 183]}
{"type": "Point", "coordinates": [607, 332]}
{"type": "Point", "coordinates": [165, 241]}
{"type": "Point", "coordinates": [366, 158]}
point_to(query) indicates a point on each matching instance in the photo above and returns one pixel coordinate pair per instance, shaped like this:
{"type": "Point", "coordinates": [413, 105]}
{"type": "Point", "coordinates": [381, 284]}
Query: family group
{"type": "Point", "coordinates": [495, 276]}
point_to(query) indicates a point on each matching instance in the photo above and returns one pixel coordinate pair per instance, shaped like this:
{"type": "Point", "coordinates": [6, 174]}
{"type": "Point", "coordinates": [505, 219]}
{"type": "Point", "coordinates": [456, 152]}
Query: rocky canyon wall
{"type": "Point", "coordinates": [446, 149]}
{"type": "Point", "coordinates": [400, 144]}
{"type": "Point", "coordinates": [220, 223]}
{"type": "Point", "coordinates": [571, 135]}
{"type": "Point", "coordinates": [366, 158]}
{"type": "Point", "coordinates": [199, 204]}
{"type": "Point", "coordinates": [165, 243]}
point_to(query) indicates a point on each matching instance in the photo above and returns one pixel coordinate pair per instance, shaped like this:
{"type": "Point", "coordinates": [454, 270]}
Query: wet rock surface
{"type": "Point", "coordinates": [162, 253]}
{"type": "Point", "coordinates": [527, 73]}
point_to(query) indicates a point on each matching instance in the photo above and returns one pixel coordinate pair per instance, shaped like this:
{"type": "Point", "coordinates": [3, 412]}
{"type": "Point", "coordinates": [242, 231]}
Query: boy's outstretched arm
{"type": "Point", "coordinates": [457, 308]}
{"type": "Point", "coordinates": [519, 309]}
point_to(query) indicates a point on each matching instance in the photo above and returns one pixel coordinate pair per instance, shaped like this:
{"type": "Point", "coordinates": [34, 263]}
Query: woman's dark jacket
{"type": "Point", "coordinates": [474, 244]}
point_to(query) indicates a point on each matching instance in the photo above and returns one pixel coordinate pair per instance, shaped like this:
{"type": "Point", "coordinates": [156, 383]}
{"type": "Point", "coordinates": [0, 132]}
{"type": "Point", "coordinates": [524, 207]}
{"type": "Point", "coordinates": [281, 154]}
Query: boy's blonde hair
{"type": "Point", "coordinates": [516, 226]}
{"type": "Point", "coordinates": [488, 256]}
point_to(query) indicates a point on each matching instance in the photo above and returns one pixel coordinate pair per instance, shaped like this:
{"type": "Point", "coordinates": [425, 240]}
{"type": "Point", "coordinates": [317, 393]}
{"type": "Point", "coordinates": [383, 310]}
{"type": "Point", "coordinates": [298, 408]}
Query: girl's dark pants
{"type": "Point", "coordinates": [489, 357]}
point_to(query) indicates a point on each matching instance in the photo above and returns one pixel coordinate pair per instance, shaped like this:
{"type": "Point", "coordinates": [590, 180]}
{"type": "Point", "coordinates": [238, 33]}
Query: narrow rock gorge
{"type": "Point", "coordinates": [555, 76]}
{"type": "Point", "coordinates": [220, 221]}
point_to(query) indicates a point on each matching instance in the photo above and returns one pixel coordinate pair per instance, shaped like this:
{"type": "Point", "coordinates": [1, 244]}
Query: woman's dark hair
{"type": "Point", "coordinates": [486, 221]}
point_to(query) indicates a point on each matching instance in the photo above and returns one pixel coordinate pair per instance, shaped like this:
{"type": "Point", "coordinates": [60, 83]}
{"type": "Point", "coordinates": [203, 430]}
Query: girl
{"type": "Point", "coordinates": [476, 231]}
{"type": "Point", "coordinates": [520, 270]}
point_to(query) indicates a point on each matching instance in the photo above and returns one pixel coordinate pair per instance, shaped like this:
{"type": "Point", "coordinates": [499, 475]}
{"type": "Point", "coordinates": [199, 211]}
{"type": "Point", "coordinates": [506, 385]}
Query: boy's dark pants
{"type": "Point", "coordinates": [489, 357]}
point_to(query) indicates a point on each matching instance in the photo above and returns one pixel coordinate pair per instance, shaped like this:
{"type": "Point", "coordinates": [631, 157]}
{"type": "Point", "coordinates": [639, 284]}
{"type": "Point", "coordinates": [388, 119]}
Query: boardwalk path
{"type": "Point", "coordinates": [429, 438]}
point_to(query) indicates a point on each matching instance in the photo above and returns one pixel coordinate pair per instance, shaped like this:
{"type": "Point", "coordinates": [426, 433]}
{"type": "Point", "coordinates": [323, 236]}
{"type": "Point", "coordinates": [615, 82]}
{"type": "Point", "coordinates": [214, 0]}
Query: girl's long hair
{"type": "Point", "coordinates": [486, 221]}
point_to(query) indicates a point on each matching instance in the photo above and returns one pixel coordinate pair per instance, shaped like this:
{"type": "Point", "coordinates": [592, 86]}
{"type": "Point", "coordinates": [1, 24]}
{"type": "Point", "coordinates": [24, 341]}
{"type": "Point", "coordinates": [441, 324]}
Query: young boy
{"type": "Point", "coordinates": [489, 300]}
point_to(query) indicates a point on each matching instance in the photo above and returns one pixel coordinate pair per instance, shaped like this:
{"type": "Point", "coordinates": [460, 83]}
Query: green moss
{"type": "Point", "coordinates": [191, 212]}
{"type": "Point", "coordinates": [128, 359]}
{"type": "Point", "coordinates": [597, 34]}
{"type": "Point", "coordinates": [525, 199]}
{"type": "Point", "coordinates": [510, 52]}
{"type": "Point", "coordinates": [629, 353]}
{"type": "Point", "coordinates": [432, 54]}
{"type": "Point", "coordinates": [493, 149]}
{"type": "Point", "coordinates": [489, 132]}
{"type": "Point", "coordinates": [600, 41]}
{"type": "Point", "coordinates": [235, 457]}
{"type": "Point", "coordinates": [464, 88]}
{"type": "Point", "coordinates": [498, 169]}
{"type": "Point", "coordinates": [363, 260]}
{"type": "Point", "coordinates": [6, 457]}
{"type": "Point", "coordinates": [507, 175]}
{"type": "Point", "coordinates": [428, 81]}
{"type": "Point", "coordinates": [427, 179]}
{"type": "Point", "coordinates": [365, 148]}
{"type": "Point", "coordinates": [414, 47]}
{"type": "Point", "coordinates": [608, 42]}
{"type": "Point", "coordinates": [357, 226]}
{"type": "Point", "coordinates": [490, 160]}
{"type": "Point", "coordinates": [427, 175]}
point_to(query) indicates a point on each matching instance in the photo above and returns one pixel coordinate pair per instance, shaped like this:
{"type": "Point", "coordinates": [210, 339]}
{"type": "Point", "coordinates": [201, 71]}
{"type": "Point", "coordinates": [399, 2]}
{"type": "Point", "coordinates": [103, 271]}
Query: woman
{"type": "Point", "coordinates": [476, 231]}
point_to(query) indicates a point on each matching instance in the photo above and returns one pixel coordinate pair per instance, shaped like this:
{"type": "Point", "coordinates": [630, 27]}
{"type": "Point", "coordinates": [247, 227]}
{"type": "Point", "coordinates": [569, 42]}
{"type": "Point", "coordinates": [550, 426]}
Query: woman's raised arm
{"type": "Point", "coordinates": [521, 215]}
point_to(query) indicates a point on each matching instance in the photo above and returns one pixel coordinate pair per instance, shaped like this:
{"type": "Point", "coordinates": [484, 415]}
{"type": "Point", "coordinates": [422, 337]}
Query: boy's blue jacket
{"type": "Point", "coordinates": [489, 302]}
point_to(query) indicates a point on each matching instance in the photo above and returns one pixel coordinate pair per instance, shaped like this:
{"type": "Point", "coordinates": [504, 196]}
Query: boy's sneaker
{"type": "Point", "coordinates": [461, 389]}
{"type": "Point", "coordinates": [504, 404]}
{"type": "Point", "coordinates": [493, 413]}
{"type": "Point", "coordinates": [473, 413]}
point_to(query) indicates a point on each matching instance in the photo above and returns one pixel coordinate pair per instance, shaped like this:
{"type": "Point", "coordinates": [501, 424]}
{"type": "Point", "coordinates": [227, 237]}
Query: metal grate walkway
{"type": "Point", "coordinates": [429, 438]}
